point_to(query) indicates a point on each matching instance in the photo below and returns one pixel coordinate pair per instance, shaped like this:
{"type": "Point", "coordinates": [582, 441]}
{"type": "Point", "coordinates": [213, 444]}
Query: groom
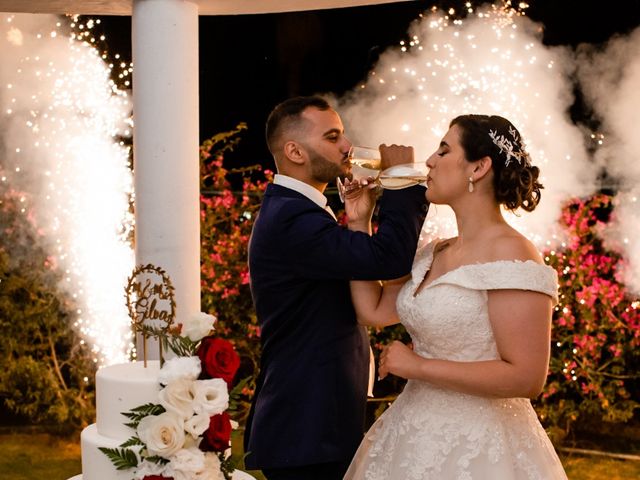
{"type": "Point", "coordinates": [308, 413]}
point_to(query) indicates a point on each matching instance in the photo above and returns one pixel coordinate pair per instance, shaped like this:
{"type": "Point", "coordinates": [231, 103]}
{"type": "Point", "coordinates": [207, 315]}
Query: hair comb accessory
{"type": "Point", "coordinates": [508, 147]}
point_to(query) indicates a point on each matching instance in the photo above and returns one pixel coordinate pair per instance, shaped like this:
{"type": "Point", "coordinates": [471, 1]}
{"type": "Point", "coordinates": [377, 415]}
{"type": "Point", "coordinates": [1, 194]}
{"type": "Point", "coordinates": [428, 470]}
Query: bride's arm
{"type": "Point", "coordinates": [521, 323]}
{"type": "Point", "coordinates": [375, 302]}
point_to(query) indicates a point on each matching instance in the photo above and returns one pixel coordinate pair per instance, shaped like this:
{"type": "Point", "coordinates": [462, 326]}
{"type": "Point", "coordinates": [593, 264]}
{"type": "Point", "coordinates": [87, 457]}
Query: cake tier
{"type": "Point", "coordinates": [95, 464]}
{"type": "Point", "coordinates": [119, 388]}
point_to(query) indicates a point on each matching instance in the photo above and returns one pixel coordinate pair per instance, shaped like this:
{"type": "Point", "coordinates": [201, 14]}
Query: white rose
{"type": "Point", "coordinates": [146, 468]}
{"type": "Point", "coordinates": [177, 397]}
{"type": "Point", "coordinates": [211, 397]}
{"type": "Point", "coordinates": [162, 434]}
{"type": "Point", "coordinates": [179, 367]}
{"type": "Point", "coordinates": [212, 469]}
{"type": "Point", "coordinates": [185, 464]}
{"type": "Point", "coordinates": [197, 425]}
{"type": "Point", "coordinates": [198, 326]}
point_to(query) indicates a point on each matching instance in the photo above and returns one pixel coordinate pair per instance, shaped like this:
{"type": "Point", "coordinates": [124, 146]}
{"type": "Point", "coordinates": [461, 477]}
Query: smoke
{"type": "Point", "coordinates": [61, 124]}
{"type": "Point", "coordinates": [493, 62]}
{"type": "Point", "coordinates": [609, 76]}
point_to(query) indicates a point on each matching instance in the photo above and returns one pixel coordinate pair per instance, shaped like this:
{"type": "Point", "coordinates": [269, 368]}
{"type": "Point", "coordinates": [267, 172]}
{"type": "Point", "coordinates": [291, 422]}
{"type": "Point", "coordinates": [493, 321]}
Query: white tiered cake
{"type": "Point", "coordinates": [182, 429]}
{"type": "Point", "coordinates": [119, 388]}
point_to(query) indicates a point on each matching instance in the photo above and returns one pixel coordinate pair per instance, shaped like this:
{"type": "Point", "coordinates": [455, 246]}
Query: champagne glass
{"type": "Point", "coordinates": [366, 158]}
{"type": "Point", "coordinates": [365, 163]}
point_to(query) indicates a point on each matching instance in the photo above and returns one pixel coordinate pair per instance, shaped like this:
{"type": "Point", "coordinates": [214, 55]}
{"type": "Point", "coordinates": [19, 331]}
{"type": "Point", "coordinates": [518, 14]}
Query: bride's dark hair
{"type": "Point", "coordinates": [515, 180]}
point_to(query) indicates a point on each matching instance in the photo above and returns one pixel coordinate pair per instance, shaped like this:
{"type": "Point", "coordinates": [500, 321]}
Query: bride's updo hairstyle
{"type": "Point", "coordinates": [515, 180]}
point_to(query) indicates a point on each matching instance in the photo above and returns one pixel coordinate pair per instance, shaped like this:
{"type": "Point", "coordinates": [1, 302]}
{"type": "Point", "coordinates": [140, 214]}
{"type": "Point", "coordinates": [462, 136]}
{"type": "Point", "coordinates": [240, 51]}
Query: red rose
{"type": "Point", "coordinates": [217, 438]}
{"type": "Point", "coordinates": [218, 358]}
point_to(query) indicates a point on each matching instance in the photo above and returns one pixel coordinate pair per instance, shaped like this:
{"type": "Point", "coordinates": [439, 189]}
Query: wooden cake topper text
{"type": "Point", "coordinates": [151, 304]}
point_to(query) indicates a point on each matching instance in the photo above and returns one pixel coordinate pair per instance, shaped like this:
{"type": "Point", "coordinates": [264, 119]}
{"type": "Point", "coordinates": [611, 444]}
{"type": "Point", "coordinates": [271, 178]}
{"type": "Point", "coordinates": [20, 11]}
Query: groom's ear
{"type": "Point", "coordinates": [294, 153]}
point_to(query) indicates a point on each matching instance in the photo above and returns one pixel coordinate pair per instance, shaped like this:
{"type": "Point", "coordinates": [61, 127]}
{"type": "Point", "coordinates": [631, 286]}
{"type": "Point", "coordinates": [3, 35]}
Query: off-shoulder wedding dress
{"type": "Point", "coordinates": [431, 433]}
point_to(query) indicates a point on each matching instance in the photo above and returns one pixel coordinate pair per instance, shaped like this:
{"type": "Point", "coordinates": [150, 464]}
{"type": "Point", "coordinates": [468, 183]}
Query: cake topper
{"type": "Point", "coordinates": [151, 305]}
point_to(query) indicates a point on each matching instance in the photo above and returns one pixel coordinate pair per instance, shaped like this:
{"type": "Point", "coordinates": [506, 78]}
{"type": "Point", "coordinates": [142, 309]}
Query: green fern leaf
{"type": "Point", "coordinates": [157, 459]}
{"type": "Point", "coordinates": [122, 458]}
{"type": "Point", "coordinates": [133, 442]}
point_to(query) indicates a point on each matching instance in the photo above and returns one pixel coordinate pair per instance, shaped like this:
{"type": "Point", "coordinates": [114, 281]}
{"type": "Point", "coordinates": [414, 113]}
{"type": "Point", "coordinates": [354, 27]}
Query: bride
{"type": "Point", "coordinates": [478, 309]}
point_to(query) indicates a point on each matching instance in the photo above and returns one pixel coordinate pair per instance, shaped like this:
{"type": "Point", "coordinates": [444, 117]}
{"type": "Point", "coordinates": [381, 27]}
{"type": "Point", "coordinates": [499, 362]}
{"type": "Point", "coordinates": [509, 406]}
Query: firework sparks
{"type": "Point", "coordinates": [65, 123]}
{"type": "Point", "coordinates": [491, 62]}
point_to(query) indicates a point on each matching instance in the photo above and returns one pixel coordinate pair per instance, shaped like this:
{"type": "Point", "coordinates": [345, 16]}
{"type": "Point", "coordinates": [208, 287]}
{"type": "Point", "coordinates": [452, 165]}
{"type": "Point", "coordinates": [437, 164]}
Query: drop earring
{"type": "Point", "coordinates": [470, 184]}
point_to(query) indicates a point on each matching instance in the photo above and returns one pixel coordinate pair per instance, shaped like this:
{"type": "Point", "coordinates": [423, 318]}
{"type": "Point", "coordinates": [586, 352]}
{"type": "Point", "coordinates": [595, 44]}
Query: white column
{"type": "Point", "coordinates": [165, 145]}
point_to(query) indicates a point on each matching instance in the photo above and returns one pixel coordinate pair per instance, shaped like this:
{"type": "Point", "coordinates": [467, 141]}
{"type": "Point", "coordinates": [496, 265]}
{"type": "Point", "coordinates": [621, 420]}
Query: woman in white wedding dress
{"type": "Point", "coordinates": [478, 308]}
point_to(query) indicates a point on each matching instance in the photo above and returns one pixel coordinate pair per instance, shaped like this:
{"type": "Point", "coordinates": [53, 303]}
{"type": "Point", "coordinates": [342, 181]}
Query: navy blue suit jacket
{"type": "Point", "coordinates": [310, 400]}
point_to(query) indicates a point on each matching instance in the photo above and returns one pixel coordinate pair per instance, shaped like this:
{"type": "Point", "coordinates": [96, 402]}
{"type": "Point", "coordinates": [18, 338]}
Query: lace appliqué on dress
{"type": "Point", "coordinates": [430, 433]}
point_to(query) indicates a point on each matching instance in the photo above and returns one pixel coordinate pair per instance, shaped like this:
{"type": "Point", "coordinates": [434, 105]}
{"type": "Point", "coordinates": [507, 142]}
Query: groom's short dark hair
{"type": "Point", "coordinates": [286, 114]}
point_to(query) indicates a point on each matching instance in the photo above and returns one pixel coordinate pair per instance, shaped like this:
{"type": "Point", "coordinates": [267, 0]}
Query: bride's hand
{"type": "Point", "coordinates": [359, 201]}
{"type": "Point", "coordinates": [396, 359]}
{"type": "Point", "coordinates": [392, 155]}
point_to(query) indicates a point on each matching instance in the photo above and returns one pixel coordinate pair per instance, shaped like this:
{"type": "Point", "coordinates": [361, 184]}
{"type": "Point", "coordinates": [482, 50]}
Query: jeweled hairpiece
{"type": "Point", "coordinates": [508, 147]}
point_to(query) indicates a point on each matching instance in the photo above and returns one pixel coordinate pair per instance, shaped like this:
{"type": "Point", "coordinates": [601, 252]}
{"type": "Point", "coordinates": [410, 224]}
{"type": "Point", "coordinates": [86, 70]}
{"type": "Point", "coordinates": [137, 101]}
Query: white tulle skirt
{"type": "Point", "coordinates": [434, 434]}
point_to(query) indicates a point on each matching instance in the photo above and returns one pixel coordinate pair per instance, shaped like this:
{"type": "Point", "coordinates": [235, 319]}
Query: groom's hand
{"type": "Point", "coordinates": [397, 359]}
{"type": "Point", "coordinates": [360, 200]}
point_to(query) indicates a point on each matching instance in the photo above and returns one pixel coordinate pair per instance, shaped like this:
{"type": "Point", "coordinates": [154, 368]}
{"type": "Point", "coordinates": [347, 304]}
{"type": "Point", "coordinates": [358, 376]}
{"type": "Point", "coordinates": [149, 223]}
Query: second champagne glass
{"type": "Point", "coordinates": [403, 176]}
{"type": "Point", "coordinates": [365, 163]}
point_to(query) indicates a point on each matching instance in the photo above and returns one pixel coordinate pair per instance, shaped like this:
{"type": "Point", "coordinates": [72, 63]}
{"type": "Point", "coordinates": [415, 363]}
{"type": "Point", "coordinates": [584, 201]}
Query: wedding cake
{"type": "Point", "coordinates": [119, 388]}
{"type": "Point", "coordinates": [164, 420]}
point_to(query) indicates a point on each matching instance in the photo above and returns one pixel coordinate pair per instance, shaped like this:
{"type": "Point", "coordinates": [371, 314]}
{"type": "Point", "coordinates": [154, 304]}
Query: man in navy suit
{"type": "Point", "coordinates": [308, 412]}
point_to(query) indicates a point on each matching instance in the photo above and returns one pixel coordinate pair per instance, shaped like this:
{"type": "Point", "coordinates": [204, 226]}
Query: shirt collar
{"type": "Point", "coordinates": [305, 189]}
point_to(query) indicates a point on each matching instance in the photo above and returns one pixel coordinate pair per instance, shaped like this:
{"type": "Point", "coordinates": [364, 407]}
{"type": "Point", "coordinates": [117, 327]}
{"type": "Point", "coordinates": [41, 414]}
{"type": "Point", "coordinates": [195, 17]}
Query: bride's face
{"type": "Point", "coordinates": [448, 176]}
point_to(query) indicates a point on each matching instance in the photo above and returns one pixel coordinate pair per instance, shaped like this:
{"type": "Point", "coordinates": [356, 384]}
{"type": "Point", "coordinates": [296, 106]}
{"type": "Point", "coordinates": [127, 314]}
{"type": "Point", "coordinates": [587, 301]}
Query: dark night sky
{"type": "Point", "coordinates": [248, 63]}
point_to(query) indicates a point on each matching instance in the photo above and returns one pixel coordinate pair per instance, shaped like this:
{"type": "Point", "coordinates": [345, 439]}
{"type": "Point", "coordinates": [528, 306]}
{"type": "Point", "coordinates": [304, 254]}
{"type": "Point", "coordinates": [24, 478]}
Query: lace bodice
{"type": "Point", "coordinates": [456, 302]}
{"type": "Point", "coordinates": [431, 433]}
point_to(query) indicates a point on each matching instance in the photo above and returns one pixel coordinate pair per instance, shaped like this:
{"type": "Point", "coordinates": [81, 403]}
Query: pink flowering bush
{"type": "Point", "coordinates": [595, 359]}
{"type": "Point", "coordinates": [229, 200]}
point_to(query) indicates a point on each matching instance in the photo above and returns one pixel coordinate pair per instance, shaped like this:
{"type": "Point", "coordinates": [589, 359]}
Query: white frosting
{"type": "Point", "coordinates": [119, 388]}
{"type": "Point", "coordinates": [95, 464]}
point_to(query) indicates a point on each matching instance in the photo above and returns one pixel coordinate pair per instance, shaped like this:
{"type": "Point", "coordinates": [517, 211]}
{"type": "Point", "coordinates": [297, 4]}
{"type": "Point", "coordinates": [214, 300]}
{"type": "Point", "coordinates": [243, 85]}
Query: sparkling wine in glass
{"type": "Point", "coordinates": [403, 176]}
{"type": "Point", "coordinates": [365, 162]}
{"type": "Point", "coordinates": [365, 157]}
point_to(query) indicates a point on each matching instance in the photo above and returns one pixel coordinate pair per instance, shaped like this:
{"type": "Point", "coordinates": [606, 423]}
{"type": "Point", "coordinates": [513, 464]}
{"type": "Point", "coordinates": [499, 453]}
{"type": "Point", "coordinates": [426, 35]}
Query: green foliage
{"type": "Point", "coordinates": [229, 200]}
{"type": "Point", "coordinates": [133, 442]}
{"type": "Point", "coordinates": [157, 459]}
{"type": "Point", "coordinates": [122, 458]}
{"type": "Point", "coordinates": [181, 346]}
{"type": "Point", "coordinates": [44, 367]}
{"type": "Point", "coordinates": [138, 413]}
